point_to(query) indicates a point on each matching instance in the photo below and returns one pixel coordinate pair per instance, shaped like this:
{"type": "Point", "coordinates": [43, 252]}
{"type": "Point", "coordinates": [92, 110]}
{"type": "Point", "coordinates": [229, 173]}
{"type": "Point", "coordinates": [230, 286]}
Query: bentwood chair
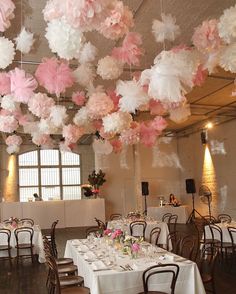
{"type": "Point", "coordinates": [24, 242]}
{"type": "Point", "coordinates": [186, 247]}
{"type": "Point", "coordinates": [115, 216]}
{"type": "Point", "coordinates": [154, 235]}
{"type": "Point", "coordinates": [210, 219]}
{"type": "Point", "coordinates": [232, 233]}
{"type": "Point", "coordinates": [101, 224]}
{"type": "Point", "coordinates": [165, 217]}
{"type": "Point", "coordinates": [26, 222]}
{"type": "Point", "coordinates": [138, 228]}
{"type": "Point", "coordinates": [172, 270]}
{"type": "Point", "coordinates": [5, 237]}
{"type": "Point", "coordinates": [172, 222]}
{"type": "Point", "coordinates": [52, 237]}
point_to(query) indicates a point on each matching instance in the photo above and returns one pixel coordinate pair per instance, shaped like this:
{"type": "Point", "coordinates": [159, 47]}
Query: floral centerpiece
{"type": "Point", "coordinates": [132, 246]}
{"type": "Point", "coordinates": [96, 179]}
{"type": "Point", "coordinates": [13, 221]}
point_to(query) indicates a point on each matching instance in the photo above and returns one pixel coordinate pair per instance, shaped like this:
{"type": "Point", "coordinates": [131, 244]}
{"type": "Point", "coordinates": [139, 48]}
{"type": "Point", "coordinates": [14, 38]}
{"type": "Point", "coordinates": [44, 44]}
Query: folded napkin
{"type": "Point", "coordinates": [98, 265]}
{"type": "Point", "coordinates": [89, 255]}
{"type": "Point", "coordinates": [75, 242]}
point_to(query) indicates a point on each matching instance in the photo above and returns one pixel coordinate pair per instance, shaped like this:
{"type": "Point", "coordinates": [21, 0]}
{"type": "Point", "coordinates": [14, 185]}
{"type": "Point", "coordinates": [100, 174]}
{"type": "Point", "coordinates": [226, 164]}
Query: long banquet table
{"type": "Point", "coordinates": [225, 232]}
{"type": "Point", "coordinates": [115, 280]}
{"type": "Point", "coordinates": [124, 226]}
{"type": "Point", "coordinates": [157, 212]}
{"type": "Point", "coordinates": [37, 242]}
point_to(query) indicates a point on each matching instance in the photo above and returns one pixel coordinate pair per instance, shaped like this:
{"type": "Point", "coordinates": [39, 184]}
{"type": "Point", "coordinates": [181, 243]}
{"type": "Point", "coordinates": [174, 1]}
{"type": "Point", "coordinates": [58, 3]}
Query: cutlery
{"type": "Point", "coordinates": [102, 269]}
{"type": "Point", "coordinates": [129, 267]}
{"type": "Point", "coordinates": [125, 269]}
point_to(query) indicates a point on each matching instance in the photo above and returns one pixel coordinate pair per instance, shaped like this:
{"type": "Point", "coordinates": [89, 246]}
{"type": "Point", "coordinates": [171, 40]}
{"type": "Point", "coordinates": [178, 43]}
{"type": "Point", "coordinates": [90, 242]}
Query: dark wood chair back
{"type": "Point", "coordinates": [115, 216]}
{"type": "Point", "coordinates": [166, 217]}
{"type": "Point", "coordinates": [171, 269]}
{"type": "Point", "coordinates": [232, 233]}
{"type": "Point", "coordinates": [154, 235]}
{"type": "Point", "coordinates": [53, 238]}
{"type": "Point", "coordinates": [173, 240]}
{"type": "Point", "coordinates": [172, 222]}
{"type": "Point", "coordinates": [187, 246]}
{"type": "Point", "coordinates": [26, 222]}
{"type": "Point", "coordinates": [100, 223]}
{"type": "Point", "coordinates": [210, 219]}
{"type": "Point", "coordinates": [138, 225]}
{"type": "Point", "coordinates": [24, 240]}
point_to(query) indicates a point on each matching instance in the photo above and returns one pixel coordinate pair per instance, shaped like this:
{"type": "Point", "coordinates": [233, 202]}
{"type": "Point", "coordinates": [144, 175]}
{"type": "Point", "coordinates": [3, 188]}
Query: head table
{"type": "Point", "coordinates": [109, 271]}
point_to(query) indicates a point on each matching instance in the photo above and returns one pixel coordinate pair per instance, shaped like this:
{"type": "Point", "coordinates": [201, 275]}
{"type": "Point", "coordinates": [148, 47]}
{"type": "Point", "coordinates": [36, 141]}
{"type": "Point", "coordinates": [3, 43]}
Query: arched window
{"type": "Point", "coordinates": [49, 173]}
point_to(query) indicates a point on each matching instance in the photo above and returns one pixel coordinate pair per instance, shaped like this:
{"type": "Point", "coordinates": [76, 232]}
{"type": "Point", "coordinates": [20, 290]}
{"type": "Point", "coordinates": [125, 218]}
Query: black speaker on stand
{"type": "Point", "coordinates": [191, 189]}
{"type": "Point", "coordinates": [145, 193]}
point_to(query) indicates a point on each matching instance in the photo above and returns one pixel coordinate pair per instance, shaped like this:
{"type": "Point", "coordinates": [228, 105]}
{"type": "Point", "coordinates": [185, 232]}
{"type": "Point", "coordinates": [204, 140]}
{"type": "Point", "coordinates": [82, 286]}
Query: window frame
{"type": "Point", "coordinates": [39, 167]}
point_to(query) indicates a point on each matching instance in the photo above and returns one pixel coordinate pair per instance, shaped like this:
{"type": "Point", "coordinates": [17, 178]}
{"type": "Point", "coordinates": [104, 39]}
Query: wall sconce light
{"type": "Point", "coordinates": [209, 125]}
{"type": "Point", "coordinates": [204, 137]}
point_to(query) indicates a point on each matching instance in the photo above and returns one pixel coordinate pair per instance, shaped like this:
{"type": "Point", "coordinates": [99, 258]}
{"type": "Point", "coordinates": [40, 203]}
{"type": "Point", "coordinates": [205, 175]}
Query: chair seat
{"type": "Point", "coordinates": [75, 290]}
{"type": "Point", "coordinates": [64, 261]}
{"type": "Point", "coordinates": [71, 280]}
{"type": "Point", "coordinates": [4, 247]}
{"type": "Point", "coordinates": [24, 246]}
{"type": "Point", "coordinates": [67, 269]}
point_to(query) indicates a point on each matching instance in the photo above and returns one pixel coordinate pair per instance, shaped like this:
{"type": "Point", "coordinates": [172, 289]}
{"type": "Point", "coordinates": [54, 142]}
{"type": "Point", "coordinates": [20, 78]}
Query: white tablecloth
{"type": "Point", "coordinates": [124, 226]}
{"type": "Point", "coordinates": [37, 241]}
{"type": "Point", "coordinates": [114, 281]}
{"type": "Point", "coordinates": [225, 232]}
{"type": "Point", "coordinates": [157, 212]}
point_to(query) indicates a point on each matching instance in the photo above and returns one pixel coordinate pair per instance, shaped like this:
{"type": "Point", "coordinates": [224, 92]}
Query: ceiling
{"type": "Point", "coordinates": [212, 101]}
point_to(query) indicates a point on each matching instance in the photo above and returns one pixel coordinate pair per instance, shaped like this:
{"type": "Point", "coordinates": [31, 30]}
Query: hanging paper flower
{"type": "Point", "coordinates": [87, 53]}
{"type": "Point", "coordinates": [227, 25]}
{"type": "Point", "coordinates": [117, 122]}
{"type": "Point", "coordinates": [115, 98]}
{"type": "Point", "coordinates": [79, 98]}
{"type": "Point", "coordinates": [72, 133]}
{"type": "Point", "coordinates": [180, 114]}
{"type": "Point", "coordinates": [58, 115]}
{"type": "Point", "coordinates": [206, 36]}
{"type": "Point", "coordinates": [46, 126]}
{"type": "Point", "coordinates": [66, 146]}
{"type": "Point", "coordinates": [109, 68]}
{"type": "Point", "coordinates": [54, 9]}
{"type": "Point", "coordinates": [22, 85]}
{"type": "Point", "coordinates": [165, 29]}
{"type": "Point", "coordinates": [117, 145]}
{"type": "Point", "coordinates": [129, 53]}
{"type": "Point", "coordinates": [24, 119]}
{"type": "Point", "coordinates": [228, 58]}
{"type": "Point", "coordinates": [148, 135]}
{"type": "Point", "coordinates": [42, 140]}
{"type": "Point", "coordinates": [13, 143]}
{"type": "Point", "coordinates": [84, 75]}
{"type": "Point", "coordinates": [132, 94]}
{"type": "Point", "coordinates": [117, 24]}
{"type": "Point", "coordinates": [200, 76]}
{"type": "Point", "coordinates": [13, 149]}
{"type": "Point", "coordinates": [5, 84]}
{"type": "Point", "coordinates": [7, 52]}
{"type": "Point", "coordinates": [54, 75]}
{"type": "Point", "coordinates": [102, 147]}
{"type": "Point", "coordinates": [63, 39]}
{"type": "Point", "coordinates": [156, 107]}
{"type": "Point", "coordinates": [8, 123]}
{"type": "Point", "coordinates": [159, 123]}
{"type": "Point", "coordinates": [24, 41]}
{"type": "Point", "coordinates": [40, 104]}
{"type": "Point", "coordinates": [7, 8]}
{"type": "Point", "coordinates": [130, 136]}
{"type": "Point", "coordinates": [81, 118]}
{"type": "Point", "coordinates": [99, 105]}
{"type": "Point", "coordinates": [106, 135]}
{"type": "Point", "coordinates": [8, 103]}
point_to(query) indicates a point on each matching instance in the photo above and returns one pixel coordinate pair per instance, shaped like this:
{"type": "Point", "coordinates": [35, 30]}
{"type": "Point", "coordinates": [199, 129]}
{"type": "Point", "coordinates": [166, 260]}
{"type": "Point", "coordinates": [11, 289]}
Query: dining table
{"type": "Point", "coordinates": [107, 270]}
{"type": "Point", "coordinates": [224, 228]}
{"type": "Point", "coordinates": [124, 225]}
{"type": "Point", "coordinates": [23, 238]}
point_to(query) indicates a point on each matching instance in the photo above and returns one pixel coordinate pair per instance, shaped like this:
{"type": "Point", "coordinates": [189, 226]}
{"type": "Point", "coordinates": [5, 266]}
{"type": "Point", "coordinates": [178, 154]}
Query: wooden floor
{"type": "Point", "coordinates": [30, 279]}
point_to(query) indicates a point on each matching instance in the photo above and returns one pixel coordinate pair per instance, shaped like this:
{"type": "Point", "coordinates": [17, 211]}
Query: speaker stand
{"type": "Point", "coordinates": [192, 216]}
{"type": "Point", "coordinates": [145, 204]}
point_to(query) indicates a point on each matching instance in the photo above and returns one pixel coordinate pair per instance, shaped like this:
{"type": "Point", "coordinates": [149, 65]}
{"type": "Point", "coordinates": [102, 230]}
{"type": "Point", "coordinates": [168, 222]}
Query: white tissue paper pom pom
{"type": "Point", "coordinates": [63, 39]}
{"type": "Point", "coordinates": [117, 122]}
{"type": "Point", "coordinates": [81, 118]}
{"type": "Point", "coordinates": [88, 53]}
{"type": "Point", "coordinates": [31, 127]}
{"type": "Point", "coordinates": [8, 103]}
{"type": "Point", "coordinates": [58, 115]}
{"type": "Point", "coordinates": [227, 25]}
{"type": "Point", "coordinates": [7, 52]}
{"type": "Point", "coordinates": [24, 41]}
{"type": "Point", "coordinates": [13, 149]}
{"type": "Point", "coordinates": [47, 127]}
{"type": "Point", "coordinates": [165, 29]}
{"type": "Point", "coordinates": [132, 94]}
{"type": "Point", "coordinates": [228, 58]}
{"type": "Point", "coordinates": [102, 146]}
{"type": "Point", "coordinates": [180, 114]}
{"type": "Point", "coordinates": [84, 75]}
{"type": "Point", "coordinates": [109, 68]}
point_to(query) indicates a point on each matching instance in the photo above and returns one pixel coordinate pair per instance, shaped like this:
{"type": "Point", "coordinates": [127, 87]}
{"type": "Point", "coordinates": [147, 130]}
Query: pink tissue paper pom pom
{"type": "Point", "coordinates": [22, 85]}
{"type": "Point", "coordinates": [115, 98]}
{"type": "Point", "coordinates": [40, 105]}
{"type": "Point", "coordinates": [156, 107]}
{"type": "Point", "coordinates": [206, 36]}
{"type": "Point", "coordinates": [79, 98]}
{"type": "Point", "coordinates": [6, 14]}
{"type": "Point", "coordinates": [129, 53]}
{"type": "Point", "coordinates": [72, 133]}
{"type": "Point", "coordinates": [148, 135]}
{"type": "Point", "coordinates": [117, 145]}
{"type": "Point", "coordinates": [97, 124]}
{"type": "Point", "coordinates": [99, 105]}
{"type": "Point", "coordinates": [159, 123]}
{"type": "Point", "coordinates": [54, 75]}
{"type": "Point", "coordinates": [13, 140]}
{"type": "Point", "coordinates": [106, 135]}
{"type": "Point", "coordinates": [54, 9]}
{"type": "Point", "coordinates": [5, 84]}
{"type": "Point", "coordinates": [131, 136]}
{"type": "Point", "coordinates": [118, 22]}
{"type": "Point", "coordinates": [200, 76]}
{"type": "Point", "coordinates": [8, 123]}
{"type": "Point", "coordinates": [42, 140]}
